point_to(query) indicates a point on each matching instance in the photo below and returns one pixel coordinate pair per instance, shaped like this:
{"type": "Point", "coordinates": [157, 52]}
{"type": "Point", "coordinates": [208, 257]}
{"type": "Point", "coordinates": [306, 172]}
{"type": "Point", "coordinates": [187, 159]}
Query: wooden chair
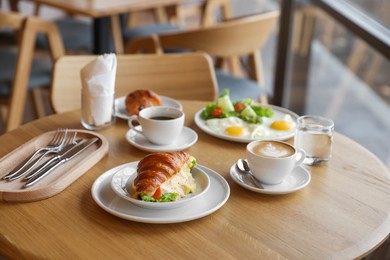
{"type": "Point", "coordinates": [215, 11]}
{"type": "Point", "coordinates": [238, 37]}
{"type": "Point", "coordinates": [180, 76]}
{"type": "Point", "coordinates": [75, 33]}
{"type": "Point", "coordinates": [29, 73]}
{"type": "Point", "coordinates": [173, 18]}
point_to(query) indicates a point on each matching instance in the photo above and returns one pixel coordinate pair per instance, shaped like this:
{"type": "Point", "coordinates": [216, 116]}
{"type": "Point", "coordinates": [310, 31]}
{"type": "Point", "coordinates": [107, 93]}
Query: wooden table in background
{"type": "Point", "coordinates": [99, 8]}
{"type": "Point", "coordinates": [101, 11]}
{"type": "Point", "coordinates": [343, 213]}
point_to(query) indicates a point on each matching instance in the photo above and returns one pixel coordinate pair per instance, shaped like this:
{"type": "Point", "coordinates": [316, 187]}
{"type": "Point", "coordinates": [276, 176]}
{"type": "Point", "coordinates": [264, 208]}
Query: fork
{"type": "Point", "coordinates": [55, 144]}
{"type": "Point", "coordinates": [71, 140]}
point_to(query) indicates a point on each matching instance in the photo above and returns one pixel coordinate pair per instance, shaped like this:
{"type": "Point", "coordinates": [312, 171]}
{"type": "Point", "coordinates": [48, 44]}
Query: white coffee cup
{"type": "Point", "coordinates": [160, 125]}
{"type": "Point", "coordinates": [272, 161]}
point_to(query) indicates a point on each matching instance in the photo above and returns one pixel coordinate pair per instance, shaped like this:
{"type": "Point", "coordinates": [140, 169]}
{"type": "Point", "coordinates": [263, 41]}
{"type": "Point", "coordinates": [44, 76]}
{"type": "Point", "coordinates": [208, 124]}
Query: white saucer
{"type": "Point", "coordinates": [120, 106]}
{"type": "Point", "coordinates": [186, 139]}
{"type": "Point", "coordinates": [298, 179]}
{"type": "Point", "coordinates": [214, 198]}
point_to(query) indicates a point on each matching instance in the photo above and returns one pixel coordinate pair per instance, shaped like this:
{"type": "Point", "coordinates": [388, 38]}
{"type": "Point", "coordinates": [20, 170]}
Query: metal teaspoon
{"type": "Point", "coordinates": [243, 166]}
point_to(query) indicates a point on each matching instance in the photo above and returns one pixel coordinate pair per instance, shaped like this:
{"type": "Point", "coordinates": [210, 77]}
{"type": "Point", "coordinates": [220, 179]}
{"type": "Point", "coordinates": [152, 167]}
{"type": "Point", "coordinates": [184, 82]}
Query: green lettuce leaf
{"type": "Point", "coordinates": [166, 197]}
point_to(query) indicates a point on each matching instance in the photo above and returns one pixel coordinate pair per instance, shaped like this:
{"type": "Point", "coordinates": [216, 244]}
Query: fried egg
{"type": "Point", "coordinates": [280, 125]}
{"type": "Point", "coordinates": [276, 126]}
{"type": "Point", "coordinates": [232, 126]}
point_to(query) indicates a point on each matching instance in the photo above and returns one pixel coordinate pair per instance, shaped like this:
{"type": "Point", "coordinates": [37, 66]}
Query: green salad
{"type": "Point", "coordinates": [246, 109]}
{"type": "Point", "coordinates": [166, 197]}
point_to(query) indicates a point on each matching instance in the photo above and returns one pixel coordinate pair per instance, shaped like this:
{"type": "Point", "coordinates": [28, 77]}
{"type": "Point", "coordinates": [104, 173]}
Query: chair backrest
{"type": "Point", "coordinates": [244, 36]}
{"type": "Point", "coordinates": [205, 10]}
{"type": "Point", "coordinates": [210, 9]}
{"type": "Point", "coordinates": [182, 76]}
{"type": "Point", "coordinates": [27, 28]}
{"type": "Point", "coordinates": [239, 36]}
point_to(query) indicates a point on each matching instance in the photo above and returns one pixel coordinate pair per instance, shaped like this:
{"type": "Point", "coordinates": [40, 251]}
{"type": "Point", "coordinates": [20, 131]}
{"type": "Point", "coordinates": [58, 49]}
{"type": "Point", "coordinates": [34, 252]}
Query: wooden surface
{"type": "Point", "coordinates": [99, 8]}
{"type": "Point", "coordinates": [178, 76]}
{"type": "Point", "coordinates": [59, 179]}
{"type": "Point", "coordinates": [103, 8]}
{"type": "Point", "coordinates": [343, 213]}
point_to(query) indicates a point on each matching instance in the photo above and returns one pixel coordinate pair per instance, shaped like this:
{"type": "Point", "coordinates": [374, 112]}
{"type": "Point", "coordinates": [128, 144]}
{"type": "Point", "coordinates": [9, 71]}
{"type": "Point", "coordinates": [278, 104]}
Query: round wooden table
{"type": "Point", "coordinates": [343, 213]}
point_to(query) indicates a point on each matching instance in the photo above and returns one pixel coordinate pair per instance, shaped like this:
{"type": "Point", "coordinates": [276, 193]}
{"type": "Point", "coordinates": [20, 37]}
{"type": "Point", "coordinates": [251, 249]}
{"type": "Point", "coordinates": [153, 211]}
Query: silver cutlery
{"type": "Point", "coordinates": [67, 139]}
{"type": "Point", "coordinates": [59, 155]}
{"type": "Point", "coordinates": [243, 166]}
{"type": "Point", "coordinates": [57, 142]}
{"type": "Point", "coordinates": [70, 154]}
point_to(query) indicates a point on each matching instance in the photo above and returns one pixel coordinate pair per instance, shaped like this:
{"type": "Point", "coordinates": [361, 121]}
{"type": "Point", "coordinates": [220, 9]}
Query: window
{"type": "Point", "coordinates": [340, 68]}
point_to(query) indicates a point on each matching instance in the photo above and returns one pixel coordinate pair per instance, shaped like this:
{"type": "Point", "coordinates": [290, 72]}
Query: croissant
{"type": "Point", "coordinates": [164, 176]}
{"type": "Point", "coordinates": [140, 99]}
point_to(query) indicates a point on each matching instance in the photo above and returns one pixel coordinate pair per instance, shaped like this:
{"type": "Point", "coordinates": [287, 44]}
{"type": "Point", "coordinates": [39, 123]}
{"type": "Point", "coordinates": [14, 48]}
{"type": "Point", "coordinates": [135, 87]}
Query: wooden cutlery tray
{"type": "Point", "coordinates": [57, 180]}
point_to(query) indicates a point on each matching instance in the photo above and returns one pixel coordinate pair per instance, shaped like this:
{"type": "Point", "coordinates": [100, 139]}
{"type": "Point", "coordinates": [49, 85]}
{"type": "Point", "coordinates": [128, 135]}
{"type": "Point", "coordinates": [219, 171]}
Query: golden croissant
{"type": "Point", "coordinates": [164, 177]}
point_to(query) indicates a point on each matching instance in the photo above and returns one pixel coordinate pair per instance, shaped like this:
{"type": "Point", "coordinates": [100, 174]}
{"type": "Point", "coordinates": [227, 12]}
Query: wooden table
{"type": "Point", "coordinates": [98, 8]}
{"type": "Point", "coordinates": [343, 213]}
{"type": "Point", "coordinates": [101, 11]}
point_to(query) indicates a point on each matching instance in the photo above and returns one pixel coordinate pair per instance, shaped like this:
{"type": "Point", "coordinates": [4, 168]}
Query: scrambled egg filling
{"type": "Point", "coordinates": [181, 183]}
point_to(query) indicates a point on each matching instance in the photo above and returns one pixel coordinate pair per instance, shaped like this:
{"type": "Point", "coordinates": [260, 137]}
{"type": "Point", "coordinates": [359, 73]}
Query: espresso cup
{"type": "Point", "coordinates": [160, 125]}
{"type": "Point", "coordinates": [272, 161]}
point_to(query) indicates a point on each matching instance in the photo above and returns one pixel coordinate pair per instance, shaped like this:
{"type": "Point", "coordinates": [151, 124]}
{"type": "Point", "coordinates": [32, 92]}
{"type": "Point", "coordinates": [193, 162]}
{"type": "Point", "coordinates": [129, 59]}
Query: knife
{"type": "Point", "coordinates": [65, 157]}
{"type": "Point", "coordinates": [28, 167]}
{"type": "Point", "coordinates": [29, 163]}
{"type": "Point", "coordinates": [59, 155]}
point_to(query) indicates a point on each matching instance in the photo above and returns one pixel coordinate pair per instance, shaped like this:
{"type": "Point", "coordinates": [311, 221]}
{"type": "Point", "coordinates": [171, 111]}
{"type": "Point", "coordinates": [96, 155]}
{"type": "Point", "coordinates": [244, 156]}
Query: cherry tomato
{"type": "Point", "coordinates": [238, 107]}
{"type": "Point", "coordinates": [216, 112]}
{"type": "Point", "coordinates": [157, 194]}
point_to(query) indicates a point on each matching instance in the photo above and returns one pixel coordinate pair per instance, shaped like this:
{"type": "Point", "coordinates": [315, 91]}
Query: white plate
{"type": "Point", "coordinates": [278, 113]}
{"type": "Point", "coordinates": [186, 139]}
{"type": "Point", "coordinates": [125, 176]}
{"type": "Point", "coordinates": [298, 179]}
{"type": "Point", "coordinates": [214, 198]}
{"type": "Point", "coordinates": [121, 112]}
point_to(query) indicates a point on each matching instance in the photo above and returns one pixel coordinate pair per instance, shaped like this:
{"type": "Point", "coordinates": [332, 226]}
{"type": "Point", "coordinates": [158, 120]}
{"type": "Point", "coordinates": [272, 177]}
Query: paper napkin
{"type": "Point", "coordinates": [98, 88]}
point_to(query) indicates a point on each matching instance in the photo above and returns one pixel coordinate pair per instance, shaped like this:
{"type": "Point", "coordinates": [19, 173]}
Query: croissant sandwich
{"type": "Point", "coordinates": [163, 177]}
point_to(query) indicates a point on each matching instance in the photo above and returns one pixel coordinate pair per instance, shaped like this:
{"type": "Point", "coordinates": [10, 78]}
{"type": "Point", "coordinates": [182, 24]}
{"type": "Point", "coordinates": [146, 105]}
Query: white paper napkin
{"type": "Point", "coordinates": [98, 83]}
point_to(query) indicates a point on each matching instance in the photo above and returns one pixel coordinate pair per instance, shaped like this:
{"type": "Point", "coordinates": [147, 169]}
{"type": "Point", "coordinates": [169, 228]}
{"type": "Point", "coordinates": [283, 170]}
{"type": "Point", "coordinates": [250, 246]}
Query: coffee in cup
{"type": "Point", "coordinates": [160, 125]}
{"type": "Point", "coordinates": [273, 149]}
{"type": "Point", "coordinates": [272, 161]}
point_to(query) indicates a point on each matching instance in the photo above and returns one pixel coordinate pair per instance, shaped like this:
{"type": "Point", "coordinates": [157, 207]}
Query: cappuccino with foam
{"type": "Point", "coordinates": [273, 149]}
{"type": "Point", "coordinates": [271, 161]}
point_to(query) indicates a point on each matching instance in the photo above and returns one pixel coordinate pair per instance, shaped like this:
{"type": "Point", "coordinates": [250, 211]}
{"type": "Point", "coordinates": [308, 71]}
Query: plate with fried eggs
{"type": "Point", "coordinates": [280, 126]}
